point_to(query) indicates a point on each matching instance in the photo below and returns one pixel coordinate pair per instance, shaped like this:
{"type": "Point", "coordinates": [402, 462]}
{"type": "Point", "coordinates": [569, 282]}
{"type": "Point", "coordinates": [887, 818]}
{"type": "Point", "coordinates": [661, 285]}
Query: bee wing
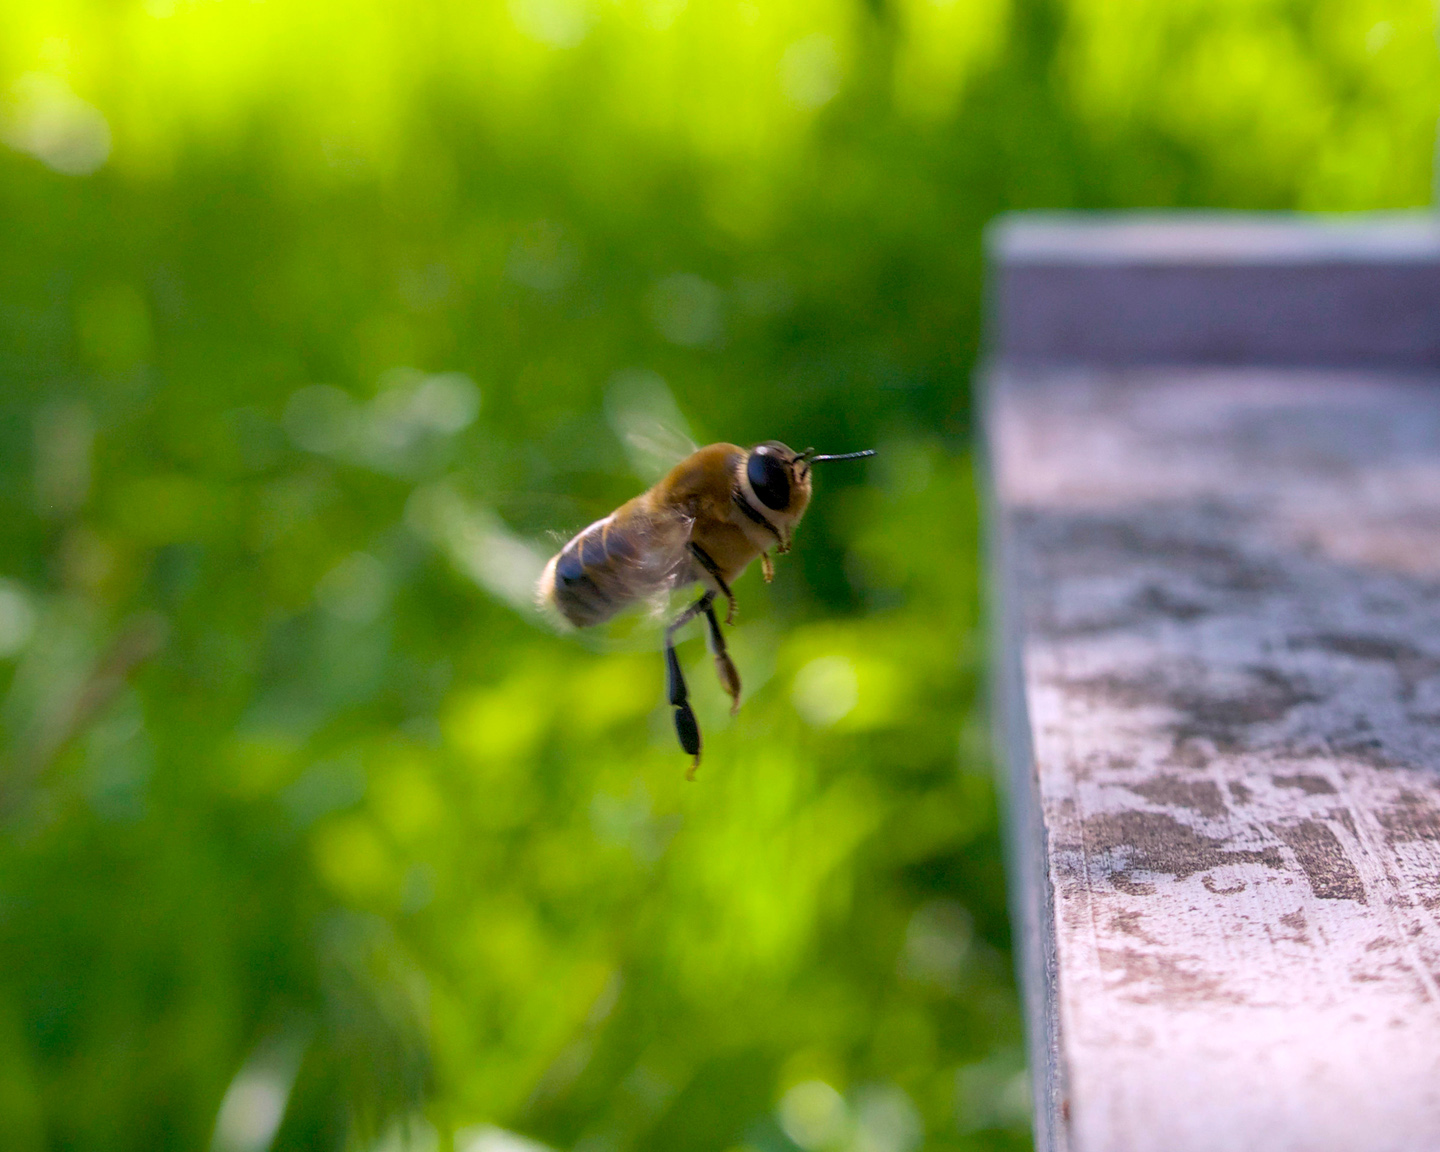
{"type": "Point", "coordinates": [656, 551]}
{"type": "Point", "coordinates": [654, 447]}
{"type": "Point", "coordinates": [648, 422]}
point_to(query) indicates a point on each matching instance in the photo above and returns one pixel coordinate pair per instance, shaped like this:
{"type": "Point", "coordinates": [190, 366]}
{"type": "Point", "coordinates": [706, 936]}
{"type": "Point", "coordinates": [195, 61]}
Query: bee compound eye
{"type": "Point", "coordinates": [769, 479]}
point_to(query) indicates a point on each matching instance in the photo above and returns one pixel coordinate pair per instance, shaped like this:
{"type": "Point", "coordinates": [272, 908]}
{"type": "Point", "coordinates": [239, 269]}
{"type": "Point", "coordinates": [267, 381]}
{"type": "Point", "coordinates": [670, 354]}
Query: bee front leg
{"type": "Point", "coordinates": [686, 726]}
{"type": "Point", "coordinates": [714, 570]}
{"type": "Point", "coordinates": [724, 666]}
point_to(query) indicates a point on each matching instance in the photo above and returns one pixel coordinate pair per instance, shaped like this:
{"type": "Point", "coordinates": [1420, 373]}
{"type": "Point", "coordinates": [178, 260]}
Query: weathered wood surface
{"type": "Point", "coordinates": [1224, 594]}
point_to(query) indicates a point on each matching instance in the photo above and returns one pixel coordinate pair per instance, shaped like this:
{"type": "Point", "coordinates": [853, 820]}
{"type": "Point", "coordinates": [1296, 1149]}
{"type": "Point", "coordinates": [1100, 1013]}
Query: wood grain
{"type": "Point", "coordinates": [1225, 593]}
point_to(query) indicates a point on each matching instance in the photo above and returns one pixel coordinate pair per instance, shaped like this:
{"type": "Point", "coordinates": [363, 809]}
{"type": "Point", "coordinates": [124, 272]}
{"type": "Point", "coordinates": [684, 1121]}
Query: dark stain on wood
{"type": "Point", "coordinates": [1310, 785]}
{"type": "Point", "coordinates": [1295, 921]}
{"type": "Point", "coordinates": [1158, 601]}
{"type": "Point", "coordinates": [1225, 720]}
{"type": "Point", "coordinates": [1222, 718]}
{"type": "Point", "coordinates": [1185, 557]}
{"type": "Point", "coordinates": [1201, 796]}
{"type": "Point", "coordinates": [1189, 754]}
{"type": "Point", "coordinates": [1128, 924]}
{"type": "Point", "coordinates": [1157, 842]}
{"type": "Point", "coordinates": [1411, 818]}
{"type": "Point", "coordinates": [1331, 874]}
{"type": "Point", "coordinates": [1172, 983]}
{"type": "Point", "coordinates": [1411, 665]}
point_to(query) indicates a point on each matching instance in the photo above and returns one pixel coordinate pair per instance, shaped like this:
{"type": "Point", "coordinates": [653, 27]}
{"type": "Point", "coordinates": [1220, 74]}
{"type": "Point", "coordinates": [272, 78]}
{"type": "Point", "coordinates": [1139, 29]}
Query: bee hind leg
{"type": "Point", "coordinates": [714, 571]}
{"type": "Point", "coordinates": [724, 666]}
{"type": "Point", "coordinates": [687, 728]}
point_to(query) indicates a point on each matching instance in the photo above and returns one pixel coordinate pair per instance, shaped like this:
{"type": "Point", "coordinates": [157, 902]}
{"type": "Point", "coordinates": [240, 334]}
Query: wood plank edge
{"type": "Point", "coordinates": [1029, 891]}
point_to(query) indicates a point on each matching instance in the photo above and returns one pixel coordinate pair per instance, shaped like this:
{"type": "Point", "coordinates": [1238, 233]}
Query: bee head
{"type": "Point", "coordinates": [776, 474]}
{"type": "Point", "coordinates": [779, 477]}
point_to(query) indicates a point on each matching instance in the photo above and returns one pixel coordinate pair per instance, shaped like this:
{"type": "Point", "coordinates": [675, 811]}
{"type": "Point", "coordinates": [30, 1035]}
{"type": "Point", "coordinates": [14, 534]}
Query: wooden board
{"type": "Point", "coordinates": [1216, 288]}
{"type": "Point", "coordinates": [1224, 595]}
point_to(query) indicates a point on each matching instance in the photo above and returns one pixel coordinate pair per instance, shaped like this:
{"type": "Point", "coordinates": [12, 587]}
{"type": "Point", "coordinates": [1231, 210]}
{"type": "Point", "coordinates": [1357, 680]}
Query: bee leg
{"type": "Point", "coordinates": [686, 726]}
{"type": "Point", "coordinates": [714, 570]}
{"type": "Point", "coordinates": [724, 666]}
{"type": "Point", "coordinates": [767, 566]}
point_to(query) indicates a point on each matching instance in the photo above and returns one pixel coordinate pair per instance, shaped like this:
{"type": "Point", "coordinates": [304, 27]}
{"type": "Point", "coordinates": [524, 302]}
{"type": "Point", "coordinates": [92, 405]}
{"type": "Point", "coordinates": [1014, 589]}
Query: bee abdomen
{"type": "Point", "coordinates": [586, 581]}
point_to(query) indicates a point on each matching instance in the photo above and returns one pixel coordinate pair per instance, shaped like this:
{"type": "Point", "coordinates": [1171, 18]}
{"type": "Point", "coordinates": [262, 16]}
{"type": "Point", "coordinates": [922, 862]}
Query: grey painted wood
{"type": "Point", "coordinates": [1032, 912]}
{"type": "Point", "coordinates": [1188, 239]}
{"type": "Point", "coordinates": [1217, 288]}
{"type": "Point", "coordinates": [1221, 680]}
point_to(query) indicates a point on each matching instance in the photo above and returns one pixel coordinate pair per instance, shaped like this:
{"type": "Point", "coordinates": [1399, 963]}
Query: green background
{"type": "Point", "coordinates": [322, 323]}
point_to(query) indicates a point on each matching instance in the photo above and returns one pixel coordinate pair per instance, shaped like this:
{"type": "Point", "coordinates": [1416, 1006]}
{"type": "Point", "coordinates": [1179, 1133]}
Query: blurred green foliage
{"type": "Point", "coordinates": [322, 323]}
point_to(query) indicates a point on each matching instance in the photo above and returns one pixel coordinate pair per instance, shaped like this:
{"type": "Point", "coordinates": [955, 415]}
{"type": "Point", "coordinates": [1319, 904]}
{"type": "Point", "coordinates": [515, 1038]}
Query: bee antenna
{"type": "Point", "coordinates": [840, 456]}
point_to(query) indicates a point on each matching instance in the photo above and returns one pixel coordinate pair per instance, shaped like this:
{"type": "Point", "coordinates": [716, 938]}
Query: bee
{"type": "Point", "coordinates": [705, 521]}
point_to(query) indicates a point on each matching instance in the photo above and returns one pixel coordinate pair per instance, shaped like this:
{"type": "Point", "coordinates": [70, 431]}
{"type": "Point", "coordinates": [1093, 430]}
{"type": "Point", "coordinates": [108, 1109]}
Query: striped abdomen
{"type": "Point", "coordinates": [610, 565]}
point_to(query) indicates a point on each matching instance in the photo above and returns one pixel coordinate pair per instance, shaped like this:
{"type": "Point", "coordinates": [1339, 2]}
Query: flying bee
{"type": "Point", "coordinates": [704, 522]}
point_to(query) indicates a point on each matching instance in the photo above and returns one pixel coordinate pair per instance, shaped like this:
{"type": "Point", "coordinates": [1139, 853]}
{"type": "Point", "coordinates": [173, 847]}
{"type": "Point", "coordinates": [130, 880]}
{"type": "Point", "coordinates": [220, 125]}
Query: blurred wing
{"type": "Point", "coordinates": [651, 552]}
{"type": "Point", "coordinates": [654, 447]}
{"type": "Point", "coordinates": [644, 416]}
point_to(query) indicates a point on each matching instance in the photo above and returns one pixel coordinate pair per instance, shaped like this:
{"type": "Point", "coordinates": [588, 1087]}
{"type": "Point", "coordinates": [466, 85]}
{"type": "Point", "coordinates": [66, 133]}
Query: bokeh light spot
{"type": "Point", "coordinates": [814, 1115]}
{"type": "Point", "coordinates": [355, 590]}
{"type": "Point", "coordinates": [556, 23]}
{"type": "Point", "coordinates": [353, 860]}
{"type": "Point", "coordinates": [810, 71]}
{"type": "Point", "coordinates": [17, 618]}
{"type": "Point", "coordinates": [826, 690]}
{"type": "Point", "coordinates": [64, 438]}
{"type": "Point", "coordinates": [254, 1104]}
{"type": "Point", "coordinates": [886, 1120]}
{"type": "Point", "coordinates": [688, 310]}
{"type": "Point", "coordinates": [541, 257]}
{"type": "Point", "coordinates": [46, 119]}
{"type": "Point", "coordinates": [937, 943]}
{"type": "Point", "coordinates": [488, 1138]}
{"type": "Point", "coordinates": [320, 418]}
